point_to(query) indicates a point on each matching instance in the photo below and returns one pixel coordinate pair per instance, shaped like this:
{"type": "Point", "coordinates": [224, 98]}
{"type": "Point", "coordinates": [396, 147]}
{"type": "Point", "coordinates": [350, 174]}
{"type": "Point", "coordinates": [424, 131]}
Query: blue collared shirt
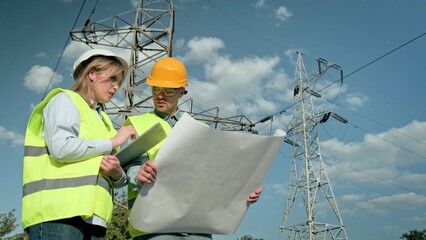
{"type": "Point", "coordinates": [133, 169]}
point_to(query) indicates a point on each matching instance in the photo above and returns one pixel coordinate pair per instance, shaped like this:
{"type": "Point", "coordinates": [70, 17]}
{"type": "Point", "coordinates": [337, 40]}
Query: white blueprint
{"type": "Point", "coordinates": [204, 178]}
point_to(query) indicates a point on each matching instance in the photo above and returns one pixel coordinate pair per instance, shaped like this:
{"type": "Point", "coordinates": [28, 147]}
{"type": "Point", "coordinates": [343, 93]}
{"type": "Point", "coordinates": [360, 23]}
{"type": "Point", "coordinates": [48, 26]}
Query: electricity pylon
{"type": "Point", "coordinates": [147, 32]}
{"type": "Point", "coordinates": [308, 177]}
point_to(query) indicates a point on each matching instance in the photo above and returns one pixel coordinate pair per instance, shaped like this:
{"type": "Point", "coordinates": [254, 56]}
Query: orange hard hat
{"type": "Point", "coordinates": [168, 73]}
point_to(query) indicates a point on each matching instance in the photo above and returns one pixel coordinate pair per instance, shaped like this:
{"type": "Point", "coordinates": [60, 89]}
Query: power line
{"type": "Point", "coordinates": [384, 139]}
{"type": "Point", "coordinates": [242, 25]}
{"type": "Point", "coordinates": [377, 59]}
{"type": "Point", "coordinates": [376, 177]}
{"type": "Point", "coordinates": [365, 173]}
{"type": "Point", "coordinates": [381, 124]}
{"type": "Point", "coordinates": [351, 73]}
{"type": "Point", "coordinates": [65, 45]}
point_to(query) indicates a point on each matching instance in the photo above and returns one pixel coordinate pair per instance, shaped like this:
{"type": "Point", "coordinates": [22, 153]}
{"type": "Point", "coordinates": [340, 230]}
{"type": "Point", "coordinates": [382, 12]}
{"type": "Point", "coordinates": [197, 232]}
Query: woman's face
{"type": "Point", "coordinates": [103, 85]}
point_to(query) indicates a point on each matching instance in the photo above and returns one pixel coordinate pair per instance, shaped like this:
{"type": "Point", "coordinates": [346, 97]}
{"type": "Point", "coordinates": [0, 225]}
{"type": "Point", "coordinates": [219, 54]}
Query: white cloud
{"type": "Point", "coordinates": [355, 100]}
{"type": "Point", "coordinates": [260, 4]}
{"type": "Point", "coordinates": [420, 218]}
{"type": "Point", "coordinates": [73, 51]}
{"type": "Point", "coordinates": [386, 159]}
{"type": "Point", "coordinates": [386, 205]}
{"type": "Point", "coordinates": [242, 83]}
{"type": "Point", "coordinates": [15, 138]}
{"type": "Point", "coordinates": [352, 198]}
{"type": "Point", "coordinates": [179, 43]}
{"type": "Point", "coordinates": [249, 85]}
{"type": "Point", "coordinates": [282, 13]}
{"type": "Point", "coordinates": [39, 78]}
{"type": "Point", "coordinates": [280, 132]}
{"type": "Point", "coordinates": [41, 55]}
{"type": "Point", "coordinates": [412, 179]}
{"type": "Point", "coordinates": [277, 188]}
{"type": "Point", "coordinates": [203, 49]}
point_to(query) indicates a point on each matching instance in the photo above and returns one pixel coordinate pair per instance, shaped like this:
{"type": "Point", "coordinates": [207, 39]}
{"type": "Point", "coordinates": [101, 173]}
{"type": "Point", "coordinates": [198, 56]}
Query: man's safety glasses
{"type": "Point", "coordinates": [169, 92]}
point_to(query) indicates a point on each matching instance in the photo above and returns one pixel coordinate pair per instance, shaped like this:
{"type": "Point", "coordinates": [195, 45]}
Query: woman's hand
{"type": "Point", "coordinates": [123, 134]}
{"type": "Point", "coordinates": [110, 166]}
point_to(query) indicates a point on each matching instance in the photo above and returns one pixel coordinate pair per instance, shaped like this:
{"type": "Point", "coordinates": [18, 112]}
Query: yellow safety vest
{"type": "Point", "coordinates": [142, 123]}
{"type": "Point", "coordinates": [53, 190]}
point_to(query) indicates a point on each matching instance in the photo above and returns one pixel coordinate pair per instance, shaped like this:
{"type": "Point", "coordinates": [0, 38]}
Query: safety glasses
{"type": "Point", "coordinates": [169, 92]}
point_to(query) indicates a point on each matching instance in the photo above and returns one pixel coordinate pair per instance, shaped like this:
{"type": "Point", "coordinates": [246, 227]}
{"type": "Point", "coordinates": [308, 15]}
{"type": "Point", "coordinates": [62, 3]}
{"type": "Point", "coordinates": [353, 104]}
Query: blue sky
{"type": "Point", "coordinates": [240, 56]}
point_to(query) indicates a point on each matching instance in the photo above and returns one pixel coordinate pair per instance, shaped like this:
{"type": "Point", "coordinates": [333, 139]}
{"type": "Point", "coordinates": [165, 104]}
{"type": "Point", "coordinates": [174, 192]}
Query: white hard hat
{"type": "Point", "coordinates": [78, 64]}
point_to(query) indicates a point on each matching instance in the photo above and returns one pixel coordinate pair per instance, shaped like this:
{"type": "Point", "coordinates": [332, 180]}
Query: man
{"type": "Point", "coordinates": [168, 80]}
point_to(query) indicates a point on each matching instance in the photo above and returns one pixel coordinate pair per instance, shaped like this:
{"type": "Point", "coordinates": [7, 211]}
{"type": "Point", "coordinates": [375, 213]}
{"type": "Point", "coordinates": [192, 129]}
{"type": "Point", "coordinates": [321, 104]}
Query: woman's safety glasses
{"type": "Point", "coordinates": [169, 92]}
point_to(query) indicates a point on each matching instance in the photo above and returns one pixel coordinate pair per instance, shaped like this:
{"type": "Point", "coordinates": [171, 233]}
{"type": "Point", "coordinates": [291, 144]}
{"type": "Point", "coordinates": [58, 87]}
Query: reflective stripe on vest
{"type": "Point", "coordinates": [54, 190]}
{"type": "Point", "coordinates": [51, 184]}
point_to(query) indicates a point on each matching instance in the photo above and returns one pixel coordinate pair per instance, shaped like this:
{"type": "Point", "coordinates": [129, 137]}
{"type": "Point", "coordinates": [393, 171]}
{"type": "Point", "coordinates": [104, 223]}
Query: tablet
{"type": "Point", "coordinates": [143, 143]}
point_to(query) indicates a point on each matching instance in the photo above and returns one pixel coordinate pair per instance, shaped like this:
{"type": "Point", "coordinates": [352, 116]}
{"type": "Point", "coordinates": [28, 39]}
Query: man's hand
{"type": "Point", "coordinates": [255, 195]}
{"type": "Point", "coordinates": [147, 172]}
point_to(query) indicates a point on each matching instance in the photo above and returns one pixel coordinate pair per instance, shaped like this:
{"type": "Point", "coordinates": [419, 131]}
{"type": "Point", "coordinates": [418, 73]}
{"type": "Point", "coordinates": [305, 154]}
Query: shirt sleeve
{"type": "Point", "coordinates": [133, 170]}
{"type": "Point", "coordinates": [123, 181]}
{"type": "Point", "coordinates": [61, 121]}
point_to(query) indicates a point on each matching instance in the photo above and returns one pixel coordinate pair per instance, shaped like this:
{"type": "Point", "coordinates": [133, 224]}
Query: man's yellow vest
{"type": "Point", "coordinates": [53, 190]}
{"type": "Point", "coordinates": [142, 123]}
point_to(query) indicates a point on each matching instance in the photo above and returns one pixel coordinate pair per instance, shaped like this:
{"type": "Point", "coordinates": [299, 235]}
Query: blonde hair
{"type": "Point", "coordinates": [98, 64]}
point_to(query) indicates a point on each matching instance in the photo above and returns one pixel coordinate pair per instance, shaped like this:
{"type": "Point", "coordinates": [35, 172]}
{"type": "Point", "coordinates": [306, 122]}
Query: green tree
{"type": "Point", "coordinates": [7, 223]}
{"type": "Point", "coordinates": [414, 235]}
{"type": "Point", "coordinates": [19, 236]}
{"type": "Point", "coordinates": [117, 229]}
{"type": "Point", "coordinates": [249, 237]}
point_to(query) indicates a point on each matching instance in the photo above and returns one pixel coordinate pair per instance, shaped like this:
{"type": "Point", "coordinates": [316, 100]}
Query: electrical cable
{"type": "Point", "coordinates": [355, 71]}
{"type": "Point", "coordinates": [327, 86]}
{"type": "Point", "coordinates": [376, 177]}
{"type": "Point", "coordinates": [381, 124]}
{"type": "Point", "coordinates": [384, 139]}
{"type": "Point", "coordinates": [242, 25]}
{"type": "Point", "coordinates": [331, 136]}
{"type": "Point", "coordinates": [377, 59]}
{"type": "Point", "coordinates": [65, 45]}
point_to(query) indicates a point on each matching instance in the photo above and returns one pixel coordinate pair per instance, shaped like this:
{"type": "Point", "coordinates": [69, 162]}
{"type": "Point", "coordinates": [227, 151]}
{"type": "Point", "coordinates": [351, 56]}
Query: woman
{"type": "Point", "coordinates": [69, 169]}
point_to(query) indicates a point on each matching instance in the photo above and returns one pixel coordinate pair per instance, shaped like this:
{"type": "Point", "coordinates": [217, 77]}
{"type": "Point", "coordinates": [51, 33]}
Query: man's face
{"type": "Point", "coordinates": [166, 99]}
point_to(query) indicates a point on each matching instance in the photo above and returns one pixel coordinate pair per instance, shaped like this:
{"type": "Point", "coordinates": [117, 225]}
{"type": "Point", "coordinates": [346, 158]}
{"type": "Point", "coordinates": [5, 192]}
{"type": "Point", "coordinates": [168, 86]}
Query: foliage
{"type": "Point", "coordinates": [117, 229]}
{"type": "Point", "coordinates": [249, 237]}
{"type": "Point", "coordinates": [414, 235]}
{"type": "Point", "coordinates": [19, 236]}
{"type": "Point", "coordinates": [7, 223]}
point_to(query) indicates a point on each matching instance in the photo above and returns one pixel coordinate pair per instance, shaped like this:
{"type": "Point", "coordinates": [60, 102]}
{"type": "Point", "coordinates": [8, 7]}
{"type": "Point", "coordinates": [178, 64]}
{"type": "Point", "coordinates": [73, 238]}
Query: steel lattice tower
{"type": "Point", "coordinates": [308, 177]}
{"type": "Point", "coordinates": [147, 32]}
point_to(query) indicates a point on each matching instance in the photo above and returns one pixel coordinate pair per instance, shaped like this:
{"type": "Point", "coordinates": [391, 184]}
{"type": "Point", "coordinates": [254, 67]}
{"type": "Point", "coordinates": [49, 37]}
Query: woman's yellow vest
{"type": "Point", "coordinates": [142, 123]}
{"type": "Point", "coordinates": [54, 190]}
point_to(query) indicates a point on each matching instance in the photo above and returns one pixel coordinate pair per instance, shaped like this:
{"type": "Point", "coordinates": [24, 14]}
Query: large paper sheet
{"type": "Point", "coordinates": [204, 179]}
